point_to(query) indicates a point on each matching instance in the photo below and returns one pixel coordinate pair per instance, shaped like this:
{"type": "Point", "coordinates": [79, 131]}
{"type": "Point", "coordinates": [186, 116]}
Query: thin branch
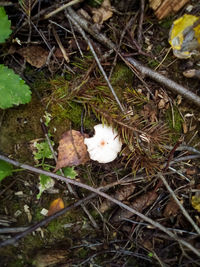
{"type": "Point", "coordinates": [185, 213]}
{"type": "Point", "coordinates": [99, 192]}
{"type": "Point", "coordinates": [60, 45]}
{"type": "Point", "coordinates": [97, 60]}
{"type": "Point", "coordinates": [71, 190]}
{"type": "Point", "coordinates": [163, 80]}
{"type": "Point", "coordinates": [76, 41]}
{"type": "Point", "coordinates": [88, 27]}
{"type": "Point", "coordinates": [137, 65]}
{"type": "Point", "coordinates": [140, 21]}
{"type": "Point", "coordinates": [185, 148]}
{"type": "Point", "coordinates": [185, 158]}
{"type": "Point", "coordinates": [54, 12]}
{"type": "Point", "coordinates": [43, 222]}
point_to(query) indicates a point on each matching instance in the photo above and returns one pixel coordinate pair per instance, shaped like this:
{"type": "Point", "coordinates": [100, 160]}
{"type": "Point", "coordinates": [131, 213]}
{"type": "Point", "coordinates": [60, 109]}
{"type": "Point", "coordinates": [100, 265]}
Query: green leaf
{"type": "Point", "coordinates": [70, 172]}
{"type": "Point", "coordinates": [5, 169]}
{"type": "Point", "coordinates": [5, 24]}
{"type": "Point", "coordinates": [43, 150]}
{"type": "Point", "coordinates": [45, 183]}
{"type": "Point", "coordinates": [13, 90]}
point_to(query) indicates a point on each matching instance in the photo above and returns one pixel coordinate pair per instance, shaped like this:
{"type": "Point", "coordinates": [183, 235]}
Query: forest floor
{"type": "Point", "coordinates": [82, 64]}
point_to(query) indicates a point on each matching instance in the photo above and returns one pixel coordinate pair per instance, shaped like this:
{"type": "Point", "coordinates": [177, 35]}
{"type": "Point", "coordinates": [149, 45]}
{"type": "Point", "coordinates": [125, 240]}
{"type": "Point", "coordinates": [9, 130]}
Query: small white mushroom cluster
{"type": "Point", "coordinates": [104, 145]}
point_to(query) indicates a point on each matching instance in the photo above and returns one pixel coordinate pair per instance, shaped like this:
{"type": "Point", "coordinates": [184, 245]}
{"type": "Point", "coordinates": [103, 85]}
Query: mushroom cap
{"type": "Point", "coordinates": [104, 145]}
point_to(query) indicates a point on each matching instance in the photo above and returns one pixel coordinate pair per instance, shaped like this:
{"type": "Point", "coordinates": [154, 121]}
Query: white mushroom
{"type": "Point", "coordinates": [104, 145]}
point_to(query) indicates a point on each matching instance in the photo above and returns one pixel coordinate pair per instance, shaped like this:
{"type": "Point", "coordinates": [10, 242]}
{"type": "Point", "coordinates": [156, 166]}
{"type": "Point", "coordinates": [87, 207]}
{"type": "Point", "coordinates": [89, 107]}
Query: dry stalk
{"type": "Point", "coordinates": [185, 213]}
{"type": "Point", "coordinates": [99, 192]}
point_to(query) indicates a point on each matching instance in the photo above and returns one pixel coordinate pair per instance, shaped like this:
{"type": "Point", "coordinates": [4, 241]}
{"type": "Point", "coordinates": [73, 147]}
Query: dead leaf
{"type": "Point", "coordinates": [55, 206]}
{"type": "Point", "coordinates": [150, 112]}
{"type": "Point", "coordinates": [50, 257]}
{"type": "Point", "coordinates": [121, 194]}
{"type": "Point", "coordinates": [139, 204]}
{"type": "Point", "coordinates": [163, 8]}
{"type": "Point", "coordinates": [196, 199]}
{"type": "Point", "coordinates": [103, 13]}
{"type": "Point", "coordinates": [185, 127]}
{"type": "Point", "coordinates": [171, 209]}
{"type": "Point", "coordinates": [34, 55]}
{"type": "Point", "coordinates": [196, 203]}
{"type": "Point", "coordinates": [71, 151]}
{"type": "Point", "coordinates": [192, 171]}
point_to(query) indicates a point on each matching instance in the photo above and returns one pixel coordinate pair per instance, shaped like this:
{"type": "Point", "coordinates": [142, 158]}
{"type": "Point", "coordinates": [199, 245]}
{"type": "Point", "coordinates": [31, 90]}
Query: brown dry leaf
{"type": "Point", "coordinates": [150, 112]}
{"type": "Point", "coordinates": [121, 194]}
{"type": "Point", "coordinates": [55, 206]}
{"type": "Point", "coordinates": [163, 100]}
{"type": "Point", "coordinates": [171, 209]}
{"type": "Point", "coordinates": [71, 151]}
{"type": "Point", "coordinates": [34, 55]}
{"type": "Point", "coordinates": [192, 171]}
{"type": "Point", "coordinates": [139, 204]}
{"type": "Point", "coordinates": [103, 13]}
{"type": "Point", "coordinates": [50, 257]}
{"type": "Point", "coordinates": [163, 8]}
{"type": "Point", "coordinates": [185, 127]}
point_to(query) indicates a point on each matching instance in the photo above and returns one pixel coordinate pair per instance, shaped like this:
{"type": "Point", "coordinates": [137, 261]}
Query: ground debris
{"type": "Point", "coordinates": [163, 8]}
{"type": "Point", "coordinates": [50, 257]}
{"type": "Point", "coordinates": [171, 209]}
{"type": "Point", "coordinates": [121, 194]}
{"type": "Point", "coordinates": [139, 204]}
{"type": "Point", "coordinates": [34, 55]}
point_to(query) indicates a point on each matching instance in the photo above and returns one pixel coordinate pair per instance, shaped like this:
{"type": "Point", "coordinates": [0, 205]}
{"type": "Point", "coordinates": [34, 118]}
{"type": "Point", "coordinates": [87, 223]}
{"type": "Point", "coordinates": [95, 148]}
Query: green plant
{"type": "Point", "coordinates": [6, 169]}
{"type": "Point", "coordinates": [5, 25]}
{"type": "Point", "coordinates": [46, 182]}
{"type": "Point", "coordinates": [13, 90]}
{"type": "Point", "coordinates": [43, 152]}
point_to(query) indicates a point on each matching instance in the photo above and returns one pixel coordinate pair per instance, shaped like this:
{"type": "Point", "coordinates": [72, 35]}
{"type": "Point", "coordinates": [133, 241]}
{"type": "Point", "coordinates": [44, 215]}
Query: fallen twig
{"type": "Point", "coordinates": [139, 34]}
{"type": "Point", "coordinates": [163, 80]}
{"type": "Point", "coordinates": [134, 63]}
{"type": "Point", "coordinates": [97, 60]}
{"type": "Point", "coordinates": [62, 7]}
{"type": "Point", "coordinates": [43, 222]}
{"type": "Point", "coordinates": [60, 45]}
{"type": "Point", "coordinates": [71, 190]}
{"type": "Point", "coordinates": [185, 213]}
{"type": "Point", "coordinates": [99, 192]}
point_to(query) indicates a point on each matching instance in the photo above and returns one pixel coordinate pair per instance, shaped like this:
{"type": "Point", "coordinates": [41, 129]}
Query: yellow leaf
{"type": "Point", "coordinates": [196, 203]}
{"type": "Point", "coordinates": [184, 36]}
{"type": "Point", "coordinates": [55, 206]}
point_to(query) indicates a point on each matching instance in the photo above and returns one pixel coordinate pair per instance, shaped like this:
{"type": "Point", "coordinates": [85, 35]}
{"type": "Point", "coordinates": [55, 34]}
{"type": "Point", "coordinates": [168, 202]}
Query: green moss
{"type": "Point", "coordinates": [166, 23]}
{"type": "Point", "coordinates": [37, 216]}
{"type": "Point", "coordinates": [21, 125]}
{"type": "Point", "coordinates": [174, 122]}
{"type": "Point", "coordinates": [153, 63]}
{"type": "Point", "coordinates": [122, 76]}
{"type": "Point", "coordinates": [56, 229]}
{"type": "Point", "coordinates": [17, 263]}
{"type": "Point", "coordinates": [94, 3]}
{"type": "Point", "coordinates": [158, 49]}
{"type": "Point", "coordinates": [82, 253]}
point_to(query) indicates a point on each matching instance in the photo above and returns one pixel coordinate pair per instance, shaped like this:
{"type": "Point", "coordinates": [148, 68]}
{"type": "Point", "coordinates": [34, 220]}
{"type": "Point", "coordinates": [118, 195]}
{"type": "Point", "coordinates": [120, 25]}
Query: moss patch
{"type": "Point", "coordinates": [175, 122]}
{"type": "Point", "coordinates": [122, 76]}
